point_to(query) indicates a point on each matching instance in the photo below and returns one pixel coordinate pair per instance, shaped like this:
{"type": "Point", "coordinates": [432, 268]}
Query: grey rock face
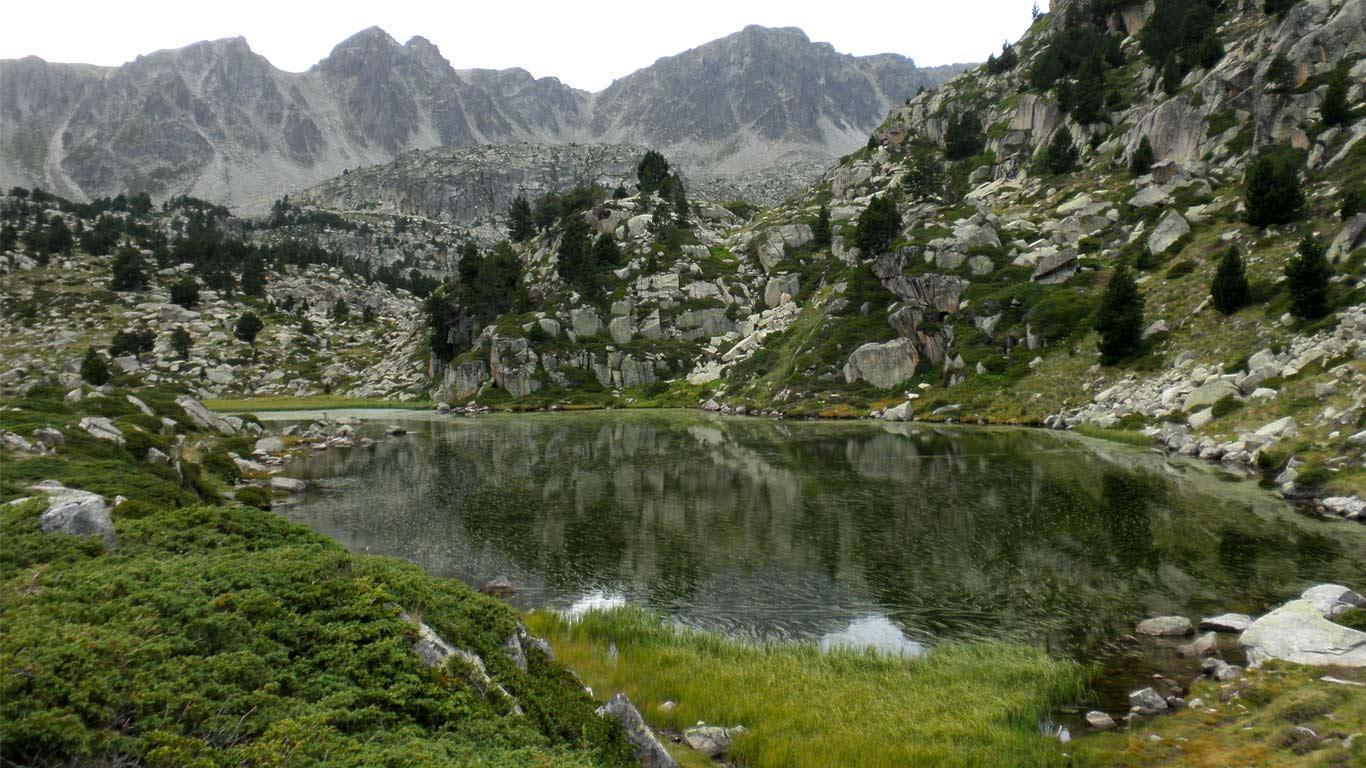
{"type": "Point", "coordinates": [102, 428]}
{"type": "Point", "coordinates": [1226, 622]}
{"type": "Point", "coordinates": [1147, 701]}
{"type": "Point", "coordinates": [648, 751]}
{"type": "Point", "coordinates": [164, 122]}
{"type": "Point", "coordinates": [74, 512]}
{"type": "Point", "coordinates": [882, 365]}
{"type": "Point", "coordinates": [1300, 631]}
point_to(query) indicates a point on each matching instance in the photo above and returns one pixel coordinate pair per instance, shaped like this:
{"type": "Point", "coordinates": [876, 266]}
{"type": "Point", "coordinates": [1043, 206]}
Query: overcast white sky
{"type": "Point", "coordinates": [586, 43]}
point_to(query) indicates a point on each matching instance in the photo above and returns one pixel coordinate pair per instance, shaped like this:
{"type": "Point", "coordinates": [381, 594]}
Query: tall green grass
{"type": "Point", "coordinates": [965, 705]}
{"type": "Point", "coordinates": [1125, 436]}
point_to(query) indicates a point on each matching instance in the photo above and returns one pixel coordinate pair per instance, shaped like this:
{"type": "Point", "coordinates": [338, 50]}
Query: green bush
{"type": "Point", "coordinates": [1230, 289]}
{"type": "Point", "coordinates": [1119, 319]}
{"type": "Point", "coordinates": [878, 225]}
{"type": "Point", "coordinates": [1060, 314]}
{"type": "Point", "coordinates": [217, 636]}
{"type": "Point", "coordinates": [1308, 273]}
{"type": "Point", "coordinates": [253, 496]}
{"type": "Point", "coordinates": [94, 369]}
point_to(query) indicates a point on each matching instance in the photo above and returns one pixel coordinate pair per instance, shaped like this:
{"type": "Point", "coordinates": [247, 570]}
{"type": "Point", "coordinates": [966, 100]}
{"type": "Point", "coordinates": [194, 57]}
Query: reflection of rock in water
{"type": "Point", "coordinates": [875, 632]}
{"type": "Point", "coordinates": [787, 529]}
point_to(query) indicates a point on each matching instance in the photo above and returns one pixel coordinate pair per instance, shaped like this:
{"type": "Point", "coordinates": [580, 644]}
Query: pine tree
{"type": "Point", "coordinates": [878, 225]}
{"type": "Point", "coordinates": [820, 231]}
{"type": "Point", "coordinates": [341, 311]}
{"type": "Point", "coordinates": [181, 341]}
{"type": "Point", "coordinates": [185, 292]}
{"type": "Point", "coordinates": [1142, 159]}
{"type": "Point", "coordinates": [1271, 188]}
{"type": "Point", "coordinates": [254, 277]}
{"type": "Point", "coordinates": [129, 273]}
{"type": "Point", "coordinates": [1119, 319]}
{"type": "Point", "coordinates": [606, 254]}
{"type": "Point", "coordinates": [1229, 289]}
{"type": "Point", "coordinates": [520, 224]}
{"type": "Point", "coordinates": [1061, 155]}
{"type": "Point", "coordinates": [963, 136]}
{"type": "Point", "coordinates": [1308, 273]}
{"type": "Point", "coordinates": [651, 172]}
{"type": "Point", "coordinates": [1335, 109]}
{"type": "Point", "coordinates": [924, 179]}
{"type": "Point", "coordinates": [247, 328]}
{"type": "Point", "coordinates": [575, 258]}
{"type": "Point", "coordinates": [94, 370]}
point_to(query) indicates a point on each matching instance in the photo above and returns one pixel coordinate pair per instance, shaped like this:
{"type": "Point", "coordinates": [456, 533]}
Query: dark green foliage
{"type": "Point", "coordinates": [253, 496]}
{"type": "Point", "coordinates": [963, 136]}
{"type": "Point", "coordinates": [575, 262]}
{"type": "Point", "coordinates": [1146, 259]}
{"type": "Point", "coordinates": [1336, 110]}
{"type": "Point", "coordinates": [1176, 31]}
{"type": "Point", "coordinates": [1230, 289]}
{"type": "Point", "coordinates": [134, 343]}
{"type": "Point", "coordinates": [520, 224]}
{"type": "Point", "coordinates": [1210, 51]}
{"type": "Point", "coordinates": [878, 225]}
{"type": "Point", "coordinates": [1171, 77]}
{"type": "Point", "coordinates": [1141, 161]}
{"type": "Point", "coordinates": [485, 289]}
{"type": "Point", "coordinates": [1060, 156]}
{"type": "Point", "coordinates": [341, 311]}
{"type": "Point", "coordinates": [1278, 7]}
{"type": "Point", "coordinates": [1353, 201]}
{"type": "Point", "coordinates": [1308, 273]}
{"type": "Point", "coordinates": [94, 370]}
{"type": "Point", "coordinates": [129, 271]}
{"type": "Point", "coordinates": [606, 253]}
{"type": "Point", "coordinates": [1281, 73]}
{"type": "Point", "coordinates": [253, 279]}
{"type": "Point", "coordinates": [1271, 188]}
{"type": "Point", "coordinates": [1005, 62]}
{"type": "Point", "coordinates": [181, 342]}
{"type": "Point", "coordinates": [1119, 319]}
{"type": "Point", "coordinates": [1060, 314]}
{"type": "Point", "coordinates": [1084, 97]}
{"type": "Point", "coordinates": [247, 327]}
{"type": "Point", "coordinates": [924, 179]}
{"type": "Point", "coordinates": [185, 292]}
{"type": "Point", "coordinates": [367, 314]}
{"type": "Point", "coordinates": [820, 230]}
{"type": "Point", "coordinates": [227, 636]}
{"type": "Point", "coordinates": [651, 172]}
{"type": "Point", "coordinates": [9, 237]}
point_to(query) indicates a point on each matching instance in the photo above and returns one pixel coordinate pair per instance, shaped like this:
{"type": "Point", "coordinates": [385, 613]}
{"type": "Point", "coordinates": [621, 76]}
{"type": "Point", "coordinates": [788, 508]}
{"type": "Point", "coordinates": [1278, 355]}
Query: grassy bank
{"type": "Point", "coordinates": [971, 705]}
{"type": "Point", "coordinates": [211, 635]}
{"type": "Point", "coordinates": [1255, 721]}
{"type": "Point", "coordinates": [315, 403]}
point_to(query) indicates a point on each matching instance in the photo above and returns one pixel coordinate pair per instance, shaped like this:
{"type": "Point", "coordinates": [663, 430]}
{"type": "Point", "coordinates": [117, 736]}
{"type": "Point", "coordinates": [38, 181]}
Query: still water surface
{"type": "Point", "coordinates": [891, 536]}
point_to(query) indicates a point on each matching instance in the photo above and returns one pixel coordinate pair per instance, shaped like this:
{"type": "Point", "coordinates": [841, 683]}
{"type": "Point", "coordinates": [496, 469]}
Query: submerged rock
{"type": "Point", "coordinates": [1165, 626]}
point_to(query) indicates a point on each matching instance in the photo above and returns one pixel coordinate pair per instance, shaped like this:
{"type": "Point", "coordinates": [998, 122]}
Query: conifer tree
{"type": "Point", "coordinates": [1308, 273]}
{"type": "Point", "coordinates": [820, 231]}
{"type": "Point", "coordinates": [878, 225]}
{"type": "Point", "coordinates": [94, 370]}
{"type": "Point", "coordinates": [1229, 289]}
{"type": "Point", "coordinates": [1119, 319]}
{"type": "Point", "coordinates": [1271, 188]}
{"type": "Point", "coordinates": [1142, 159]}
{"type": "Point", "coordinates": [521, 226]}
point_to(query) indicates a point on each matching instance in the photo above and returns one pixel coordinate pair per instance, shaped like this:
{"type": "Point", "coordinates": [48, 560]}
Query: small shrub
{"type": "Point", "coordinates": [94, 369]}
{"type": "Point", "coordinates": [254, 496]}
{"type": "Point", "coordinates": [1226, 405]}
{"type": "Point", "coordinates": [1230, 290]}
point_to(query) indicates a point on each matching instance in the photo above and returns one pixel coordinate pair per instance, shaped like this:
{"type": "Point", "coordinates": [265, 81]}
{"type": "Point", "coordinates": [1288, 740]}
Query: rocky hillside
{"type": "Point", "coordinates": [60, 303]}
{"type": "Point", "coordinates": [217, 121]}
{"type": "Point", "coordinates": [980, 302]}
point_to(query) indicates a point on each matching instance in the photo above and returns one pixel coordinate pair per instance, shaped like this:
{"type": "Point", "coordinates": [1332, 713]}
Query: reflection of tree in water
{"type": "Point", "coordinates": [953, 534]}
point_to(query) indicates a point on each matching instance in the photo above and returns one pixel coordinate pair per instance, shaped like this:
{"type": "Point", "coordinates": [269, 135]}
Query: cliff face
{"type": "Point", "coordinates": [218, 121]}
